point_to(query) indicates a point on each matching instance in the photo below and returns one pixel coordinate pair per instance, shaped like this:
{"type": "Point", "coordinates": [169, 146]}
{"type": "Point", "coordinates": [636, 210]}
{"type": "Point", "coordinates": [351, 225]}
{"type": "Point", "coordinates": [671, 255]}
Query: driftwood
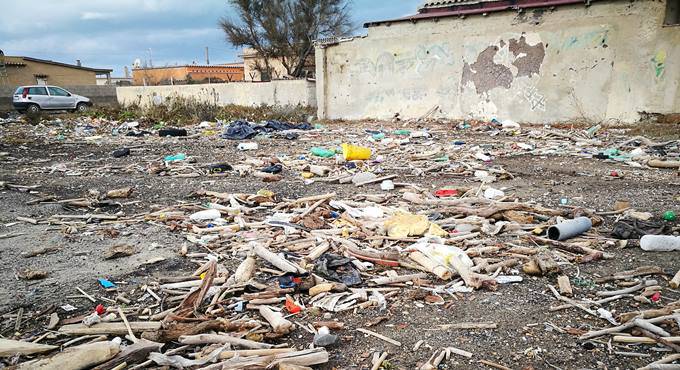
{"type": "Point", "coordinates": [628, 325]}
{"type": "Point", "coordinates": [222, 339]}
{"type": "Point", "coordinates": [280, 263]}
{"type": "Point", "coordinates": [468, 325]}
{"type": "Point", "coordinates": [431, 265]}
{"type": "Point", "coordinates": [398, 279]}
{"type": "Point", "coordinates": [642, 340]}
{"type": "Point", "coordinates": [190, 304]}
{"type": "Point", "coordinates": [243, 273]}
{"type": "Point", "coordinates": [173, 330]}
{"type": "Point", "coordinates": [663, 164]}
{"type": "Point", "coordinates": [380, 336]}
{"type": "Point", "coordinates": [650, 314]}
{"type": "Point", "coordinates": [137, 352]}
{"type": "Point", "coordinates": [590, 254]}
{"type": "Point", "coordinates": [675, 282]}
{"type": "Point", "coordinates": [224, 355]}
{"type": "Point", "coordinates": [564, 285]}
{"type": "Point", "coordinates": [9, 347]}
{"type": "Point", "coordinates": [632, 289]}
{"type": "Point", "coordinates": [76, 358]}
{"type": "Point", "coordinates": [110, 328]}
{"type": "Point", "coordinates": [307, 357]}
{"type": "Point", "coordinates": [276, 320]}
{"type": "Point", "coordinates": [640, 271]}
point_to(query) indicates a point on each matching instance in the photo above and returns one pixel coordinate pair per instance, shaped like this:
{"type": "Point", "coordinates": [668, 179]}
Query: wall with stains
{"type": "Point", "coordinates": [609, 61]}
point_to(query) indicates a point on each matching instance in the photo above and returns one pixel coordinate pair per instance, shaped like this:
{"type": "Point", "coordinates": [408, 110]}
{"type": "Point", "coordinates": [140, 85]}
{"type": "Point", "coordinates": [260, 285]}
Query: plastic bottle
{"type": "Point", "coordinates": [248, 146]}
{"type": "Point", "coordinates": [176, 157]}
{"type": "Point", "coordinates": [660, 243]}
{"type": "Point", "coordinates": [205, 215]}
{"type": "Point", "coordinates": [669, 216]}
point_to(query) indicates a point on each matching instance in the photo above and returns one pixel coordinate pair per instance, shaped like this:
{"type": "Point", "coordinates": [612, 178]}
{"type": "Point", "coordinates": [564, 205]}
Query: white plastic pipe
{"type": "Point", "coordinates": [570, 228]}
{"type": "Point", "coordinates": [660, 243]}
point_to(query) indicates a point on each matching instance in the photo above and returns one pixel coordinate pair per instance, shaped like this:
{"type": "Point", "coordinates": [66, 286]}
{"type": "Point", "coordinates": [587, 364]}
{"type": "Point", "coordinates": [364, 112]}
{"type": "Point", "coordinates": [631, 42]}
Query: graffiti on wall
{"type": "Point", "coordinates": [659, 61]}
{"type": "Point", "coordinates": [492, 69]}
{"type": "Point", "coordinates": [418, 62]}
{"type": "Point", "coordinates": [529, 93]}
{"type": "Point", "coordinates": [586, 40]}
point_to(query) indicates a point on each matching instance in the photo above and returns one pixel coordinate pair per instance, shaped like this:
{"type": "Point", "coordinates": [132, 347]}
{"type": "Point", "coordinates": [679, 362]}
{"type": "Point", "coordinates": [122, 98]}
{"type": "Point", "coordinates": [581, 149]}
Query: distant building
{"type": "Point", "coordinates": [187, 74]}
{"type": "Point", "coordinates": [114, 81]}
{"type": "Point", "coordinates": [32, 71]}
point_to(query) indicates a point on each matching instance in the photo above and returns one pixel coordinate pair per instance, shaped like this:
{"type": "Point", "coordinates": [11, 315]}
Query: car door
{"type": "Point", "coordinates": [38, 95]}
{"type": "Point", "coordinates": [60, 98]}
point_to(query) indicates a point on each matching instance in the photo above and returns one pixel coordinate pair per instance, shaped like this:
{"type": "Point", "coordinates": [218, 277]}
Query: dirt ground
{"type": "Point", "coordinates": [525, 336]}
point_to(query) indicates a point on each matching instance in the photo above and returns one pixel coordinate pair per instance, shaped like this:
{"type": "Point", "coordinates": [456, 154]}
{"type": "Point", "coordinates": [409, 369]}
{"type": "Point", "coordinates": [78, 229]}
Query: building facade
{"type": "Point", "coordinates": [187, 74]}
{"type": "Point", "coordinates": [525, 60]}
{"type": "Point", "coordinates": [251, 59]}
{"type": "Point", "coordinates": [32, 71]}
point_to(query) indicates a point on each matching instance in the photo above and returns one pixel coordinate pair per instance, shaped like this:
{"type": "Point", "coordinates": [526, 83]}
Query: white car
{"type": "Point", "coordinates": [33, 99]}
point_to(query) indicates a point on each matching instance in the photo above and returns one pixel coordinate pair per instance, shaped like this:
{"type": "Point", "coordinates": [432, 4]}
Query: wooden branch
{"type": "Point", "coordinates": [222, 339]}
{"type": "Point", "coordinates": [649, 314]}
{"type": "Point", "coordinates": [640, 271]}
{"type": "Point", "coordinates": [380, 336]}
{"type": "Point", "coordinates": [675, 282]}
{"type": "Point", "coordinates": [431, 265]}
{"type": "Point", "coordinates": [174, 330]}
{"type": "Point", "coordinates": [110, 328]}
{"type": "Point", "coordinates": [253, 352]}
{"type": "Point", "coordinates": [10, 347]}
{"type": "Point", "coordinates": [280, 263]}
{"type": "Point", "coordinates": [80, 357]}
{"type": "Point", "coordinates": [276, 320]}
{"type": "Point", "coordinates": [135, 353]}
{"type": "Point", "coordinates": [468, 325]}
{"type": "Point", "coordinates": [632, 289]}
{"type": "Point", "coordinates": [628, 325]}
{"type": "Point", "coordinates": [564, 285]}
{"type": "Point", "coordinates": [398, 279]}
{"type": "Point", "coordinates": [244, 272]}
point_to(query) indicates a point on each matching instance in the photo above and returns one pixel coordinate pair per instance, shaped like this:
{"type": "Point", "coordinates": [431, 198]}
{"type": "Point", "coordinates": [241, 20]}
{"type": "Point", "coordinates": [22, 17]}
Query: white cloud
{"type": "Point", "coordinates": [87, 16]}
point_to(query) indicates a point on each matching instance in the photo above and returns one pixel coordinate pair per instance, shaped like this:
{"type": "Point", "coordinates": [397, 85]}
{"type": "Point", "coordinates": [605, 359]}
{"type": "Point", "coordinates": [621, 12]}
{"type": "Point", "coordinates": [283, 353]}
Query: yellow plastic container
{"type": "Point", "coordinates": [355, 153]}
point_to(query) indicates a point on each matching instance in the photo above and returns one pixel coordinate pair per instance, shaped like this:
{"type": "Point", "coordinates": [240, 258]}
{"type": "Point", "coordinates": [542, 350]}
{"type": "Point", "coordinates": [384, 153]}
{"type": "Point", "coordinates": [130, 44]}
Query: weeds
{"type": "Point", "coordinates": [183, 111]}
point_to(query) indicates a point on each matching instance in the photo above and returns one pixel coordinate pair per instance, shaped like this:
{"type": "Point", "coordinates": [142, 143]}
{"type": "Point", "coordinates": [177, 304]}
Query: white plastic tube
{"type": "Point", "coordinates": [570, 228]}
{"type": "Point", "coordinates": [660, 243]}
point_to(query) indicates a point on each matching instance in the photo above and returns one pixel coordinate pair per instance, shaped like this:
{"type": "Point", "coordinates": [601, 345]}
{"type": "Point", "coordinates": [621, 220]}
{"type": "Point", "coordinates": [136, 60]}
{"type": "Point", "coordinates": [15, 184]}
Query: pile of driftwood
{"type": "Point", "coordinates": [261, 261]}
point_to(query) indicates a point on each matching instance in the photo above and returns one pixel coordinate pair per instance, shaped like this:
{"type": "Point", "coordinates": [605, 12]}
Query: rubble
{"type": "Point", "coordinates": [252, 273]}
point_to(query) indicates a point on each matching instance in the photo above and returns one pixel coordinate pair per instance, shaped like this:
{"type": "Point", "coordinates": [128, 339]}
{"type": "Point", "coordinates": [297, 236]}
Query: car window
{"type": "Point", "coordinates": [19, 91]}
{"type": "Point", "coordinates": [55, 91]}
{"type": "Point", "coordinates": [37, 91]}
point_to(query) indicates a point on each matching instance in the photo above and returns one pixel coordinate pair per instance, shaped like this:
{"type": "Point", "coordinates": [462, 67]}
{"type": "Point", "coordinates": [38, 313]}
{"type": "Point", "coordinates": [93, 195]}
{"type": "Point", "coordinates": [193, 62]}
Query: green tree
{"type": "Point", "coordinates": [285, 29]}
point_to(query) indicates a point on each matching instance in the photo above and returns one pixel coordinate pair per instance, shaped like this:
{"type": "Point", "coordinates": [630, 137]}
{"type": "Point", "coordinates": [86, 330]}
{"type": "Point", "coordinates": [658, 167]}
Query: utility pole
{"type": "Point", "coordinates": [207, 59]}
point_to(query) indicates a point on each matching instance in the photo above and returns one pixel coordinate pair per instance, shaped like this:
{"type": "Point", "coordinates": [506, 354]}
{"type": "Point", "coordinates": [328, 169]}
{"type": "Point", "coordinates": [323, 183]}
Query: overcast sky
{"type": "Point", "coordinates": [113, 33]}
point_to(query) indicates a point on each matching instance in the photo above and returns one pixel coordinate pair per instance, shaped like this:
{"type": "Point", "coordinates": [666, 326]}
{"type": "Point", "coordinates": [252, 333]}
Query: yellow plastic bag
{"type": "Point", "coordinates": [402, 225]}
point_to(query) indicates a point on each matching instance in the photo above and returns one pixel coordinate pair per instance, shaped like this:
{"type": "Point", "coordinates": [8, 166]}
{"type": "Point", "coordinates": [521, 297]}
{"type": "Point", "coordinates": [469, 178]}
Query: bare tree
{"type": "Point", "coordinates": [285, 29]}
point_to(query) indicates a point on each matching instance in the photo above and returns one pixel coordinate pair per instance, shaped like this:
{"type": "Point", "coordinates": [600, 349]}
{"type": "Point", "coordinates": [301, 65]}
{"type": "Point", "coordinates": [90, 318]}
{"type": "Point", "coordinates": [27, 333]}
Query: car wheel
{"type": "Point", "coordinates": [33, 109]}
{"type": "Point", "coordinates": [81, 108]}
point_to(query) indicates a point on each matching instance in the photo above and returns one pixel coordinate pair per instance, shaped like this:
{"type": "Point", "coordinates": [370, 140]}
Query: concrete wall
{"type": "Point", "coordinates": [285, 92]}
{"type": "Point", "coordinates": [100, 95]}
{"type": "Point", "coordinates": [610, 60]}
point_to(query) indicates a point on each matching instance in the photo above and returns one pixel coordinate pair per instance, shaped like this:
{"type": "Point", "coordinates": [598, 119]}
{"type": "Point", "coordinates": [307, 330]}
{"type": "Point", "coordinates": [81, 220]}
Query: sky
{"type": "Point", "coordinates": [113, 33]}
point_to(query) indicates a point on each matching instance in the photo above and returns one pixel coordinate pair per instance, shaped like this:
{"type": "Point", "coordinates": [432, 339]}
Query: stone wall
{"type": "Point", "coordinates": [283, 92]}
{"type": "Point", "coordinates": [611, 60]}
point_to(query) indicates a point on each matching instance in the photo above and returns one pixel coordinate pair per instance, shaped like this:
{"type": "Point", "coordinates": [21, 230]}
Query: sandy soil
{"type": "Point", "coordinates": [524, 338]}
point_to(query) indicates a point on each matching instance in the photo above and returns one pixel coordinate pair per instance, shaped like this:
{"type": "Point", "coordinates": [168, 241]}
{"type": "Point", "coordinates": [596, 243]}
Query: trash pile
{"type": "Point", "coordinates": [267, 269]}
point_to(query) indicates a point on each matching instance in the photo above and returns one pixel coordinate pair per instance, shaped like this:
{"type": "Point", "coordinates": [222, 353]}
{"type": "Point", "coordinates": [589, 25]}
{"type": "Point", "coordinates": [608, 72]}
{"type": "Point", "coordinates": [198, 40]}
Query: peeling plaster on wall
{"type": "Point", "coordinates": [528, 58]}
{"type": "Point", "coordinates": [486, 74]}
